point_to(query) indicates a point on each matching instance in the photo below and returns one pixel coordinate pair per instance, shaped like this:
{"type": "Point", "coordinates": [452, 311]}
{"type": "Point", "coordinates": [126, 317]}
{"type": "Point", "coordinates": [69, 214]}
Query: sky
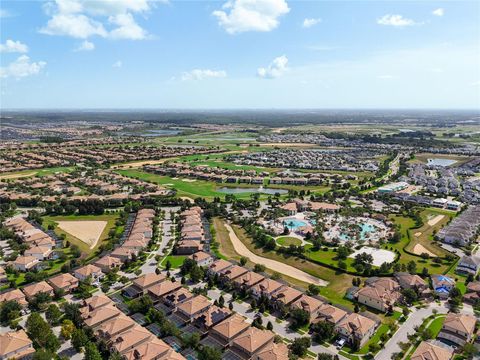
{"type": "Point", "coordinates": [256, 54]}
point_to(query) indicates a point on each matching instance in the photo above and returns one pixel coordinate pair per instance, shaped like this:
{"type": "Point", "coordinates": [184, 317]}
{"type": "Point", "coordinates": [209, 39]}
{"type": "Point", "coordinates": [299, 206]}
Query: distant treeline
{"type": "Point", "coordinates": [271, 118]}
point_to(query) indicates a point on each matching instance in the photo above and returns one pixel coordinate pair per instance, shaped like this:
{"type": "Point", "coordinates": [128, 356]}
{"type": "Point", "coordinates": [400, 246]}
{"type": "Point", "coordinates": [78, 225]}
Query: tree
{"type": "Point", "coordinates": [9, 311]}
{"type": "Point", "coordinates": [141, 305]}
{"type": "Point", "coordinates": [42, 354]}
{"type": "Point", "coordinates": [259, 268]}
{"type": "Point", "coordinates": [469, 350]}
{"type": "Point", "coordinates": [72, 312]}
{"type": "Point", "coordinates": [322, 331]}
{"type": "Point", "coordinates": [269, 326]}
{"type": "Point", "coordinates": [300, 317]}
{"type": "Point", "coordinates": [314, 289]}
{"type": "Point", "coordinates": [67, 329]}
{"type": "Point", "coordinates": [209, 353]}
{"type": "Point", "coordinates": [191, 340]}
{"type": "Point", "coordinates": [299, 346]}
{"type": "Point", "coordinates": [41, 333]}
{"type": "Point", "coordinates": [168, 265]}
{"type": "Point", "coordinates": [243, 260]}
{"type": "Point", "coordinates": [53, 314]}
{"type": "Point", "coordinates": [325, 356]}
{"type": "Point", "coordinates": [79, 339]}
{"type": "Point", "coordinates": [91, 352]}
{"type": "Point", "coordinates": [221, 301]}
{"type": "Point", "coordinates": [412, 267]}
{"type": "Point", "coordinates": [409, 295]}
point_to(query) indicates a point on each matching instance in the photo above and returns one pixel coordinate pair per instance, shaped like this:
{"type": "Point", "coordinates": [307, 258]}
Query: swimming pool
{"type": "Point", "coordinates": [366, 228]}
{"type": "Point", "coordinates": [294, 224]}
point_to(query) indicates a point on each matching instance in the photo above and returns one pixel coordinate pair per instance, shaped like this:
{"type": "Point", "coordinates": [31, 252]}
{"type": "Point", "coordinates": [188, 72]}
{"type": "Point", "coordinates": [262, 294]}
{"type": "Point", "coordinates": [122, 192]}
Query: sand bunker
{"type": "Point", "coordinates": [189, 180]}
{"type": "Point", "coordinates": [87, 231]}
{"type": "Point", "coordinates": [419, 249]}
{"type": "Point", "coordinates": [417, 234]}
{"type": "Point", "coordinates": [435, 220]}
{"type": "Point", "coordinates": [380, 256]}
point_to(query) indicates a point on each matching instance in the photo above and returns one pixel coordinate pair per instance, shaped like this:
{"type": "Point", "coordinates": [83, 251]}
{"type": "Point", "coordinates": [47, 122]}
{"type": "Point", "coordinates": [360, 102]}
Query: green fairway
{"type": "Point", "coordinates": [288, 240]}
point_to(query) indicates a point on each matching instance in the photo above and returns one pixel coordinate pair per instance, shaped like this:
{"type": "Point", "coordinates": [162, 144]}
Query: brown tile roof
{"type": "Point", "coordinates": [356, 323]}
{"type": "Point", "coordinates": [101, 314]}
{"type": "Point", "coordinates": [108, 261]}
{"type": "Point", "coordinates": [307, 303]}
{"type": "Point", "coordinates": [429, 351]}
{"type": "Point", "coordinates": [287, 294]}
{"type": "Point", "coordinates": [15, 295]}
{"type": "Point", "coordinates": [200, 256]}
{"type": "Point", "coordinates": [268, 286]}
{"type": "Point", "coordinates": [331, 313]}
{"type": "Point", "coordinates": [164, 288]}
{"type": "Point", "coordinates": [34, 289]}
{"type": "Point", "coordinates": [132, 337]}
{"type": "Point", "coordinates": [14, 341]}
{"type": "Point", "coordinates": [253, 339]}
{"type": "Point", "coordinates": [231, 326]}
{"type": "Point", "coordinates": [460, 322]}
{"type": "Point", "coordinates": [63, 281]}
{"type": "Point", "coordinates": [249, 279]}
{"type": "Point", "coordinates": [151, 350]}
{"type": "Point", "coordinates": [274, 352]}
{"type": "Point", "coordinates": [220, 265]}
{"type": "Point", "coordinates": [116, 326]}
{"type": "Point", "coordinates": [213, 315]}
{"type": "Point", "coordinates": [194, 305]}
{"type": "Point", "coordinates": [233, 272]}
{"type": "Point", "coordinates": [147, 280]}
{"type": "Point", "coordinates": [88, 270]}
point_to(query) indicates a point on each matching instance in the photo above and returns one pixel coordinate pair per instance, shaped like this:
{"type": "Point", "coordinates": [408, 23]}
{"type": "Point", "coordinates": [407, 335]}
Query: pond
{"type": "Point", "coordinates": [366, 228]}
{"type": "Point", "coordinates": [441, 162]}
{"type": "Point", "coordinates": [262, 190]}
{"type": "Point", "coordinates": [293, 224]}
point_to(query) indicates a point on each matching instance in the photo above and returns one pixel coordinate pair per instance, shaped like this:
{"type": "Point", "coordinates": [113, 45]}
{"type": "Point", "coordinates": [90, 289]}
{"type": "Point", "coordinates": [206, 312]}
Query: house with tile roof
{"type": "Point", "coordinates": [14, 295]}
{"type": "Point", "coordinates": [458, 328]}
{"type": "Point", "coordinates": [251, 342]}
{"type": "Point", "coordinates": [442, 285]}
{"type": "Point", "coordinates": [32, 290]}
{"type": "Point", "coordinates": [15, 345]}
{"type": "Point", "coordinates": [65, 282]}
{"type": "Point", "coordinates": [356, 329]}
{"type": "Point", "coordinates": [92, 271]}
{"type": "Point", "coordinates": [429, 351]}
{"type": "Point", "coordinates": [228, 329]}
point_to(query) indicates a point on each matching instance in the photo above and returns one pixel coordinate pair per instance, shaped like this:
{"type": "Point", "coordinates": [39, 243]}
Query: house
{"type": "Point", "coordinates": [14, 295]}
{"type": "Point", "coordinates": [468, 265]}
{"type": "Point", "coordinates": [173, 299]}
{"type": "Point", "coordinates": [266, 288]}
{"type": "Point", "coordinates": [210, 317]}
{"type": "Point", "coordinates": [192, 308]}
{"type": "Point", "coordinates": [228, 329]}
{"type": "Point", "coordinates": [39, 252]}
{"type": "Point", "coordinates": [285, 296]}
{"type": "Point", "coordinates": [128, 340]}
{"type": "Point", "coordinates": [274, 351]}
{"type": "Point", "coordinates": [124, 254]}
{"type": "Point", "coordinates": [25, 263]}
{"type": "Point", "coordinates": [108, 263]}
{"type": "Point", "coordinates": [15, 345]}
{"type": "Point", "coordinates": [32, 290]}
{"type": "Point", "coordinates": [202, 258]}
{"type": "Point", "coordinates": [92, 271]}
{"type": "Point", "coordinates": [458, 328]}
{"type": "Point", "coordinates": [217, 266]}
{"type": "Point", "coordinates": [316, 206]}
{"type": "Point", "coordinates": [141, 284]}
{"type": "Point", "coordinates": [409, 281]}
{"type": "Point", "coordinates": [94, 303]}
{"type": "Point", "coordinates": [356, 329]}
{"type": "Point", "coordinates": [232, 273]}
{"type": "Point", "coordinates": [473, 292]}
{"type": "Point", "coordinates": [154, 349]}
{"type": "Point", "coordinates": [330, 313]}
{"type": "Point", "coordinates": [251, 342]}
{"type": "Point", "coordinates": [442, 285]}
{"type": "Point", "coordinates": [188, 247]}
{"type": "Point", "coordinates": [94, 318]}
{"type": "Point", "coordinates": [247, 280]}
{"type": "Point", "coordinates": [65, 282]}
{"type": "Point", "coordinates": [380, 294]}
{"type": "Point", "coordinates": [114, 327]}
{"type": "Point", "coordinates": [158, 291]}
{"type": "Point", "coordinates": [3, 275]}
{"type": "Point", "coordinates": [309, 304]}
{"type": "Point", "coordinates": [290, 208]}
{"type": "Point", "coordinates": [428, 351]}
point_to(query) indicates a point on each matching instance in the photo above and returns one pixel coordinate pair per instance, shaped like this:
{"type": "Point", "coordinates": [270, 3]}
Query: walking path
{"type": "Point", "coordinates": [274, 265]}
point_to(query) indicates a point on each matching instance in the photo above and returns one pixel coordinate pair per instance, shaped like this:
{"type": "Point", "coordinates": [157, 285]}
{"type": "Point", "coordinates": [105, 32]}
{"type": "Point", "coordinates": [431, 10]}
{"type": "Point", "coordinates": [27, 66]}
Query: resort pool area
{"type": "Point", "coordinates": [294, 224]}
{"type": "Point", "coordinates": [366, 228]}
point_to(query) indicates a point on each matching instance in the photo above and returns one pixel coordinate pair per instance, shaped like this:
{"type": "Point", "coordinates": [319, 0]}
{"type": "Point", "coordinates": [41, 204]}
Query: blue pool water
{"type": "Point", "coordinates": [366, 229]}
{"type": "Point", "coordinates": [294, 224]}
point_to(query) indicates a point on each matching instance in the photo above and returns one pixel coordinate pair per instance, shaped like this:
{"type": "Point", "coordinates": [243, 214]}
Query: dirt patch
{"type": "Point", "coordinates": [417, 234]}
{"type": "Point", "coordinates": [87, 231]}
{"type": "Point", "coordinates": [17, 176]}
{"type": "Point", "coordinates": [279, 267]}
{"type": "Point", "coordinates": [435, 220]}
{"type": "Point", "coordinates": [419, 249]}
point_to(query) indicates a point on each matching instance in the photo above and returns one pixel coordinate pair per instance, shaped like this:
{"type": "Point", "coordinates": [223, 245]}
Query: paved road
{"type": "Point", "coordinates": [281, 329]}
{"type": "Point", "coordinates": [277, 266]}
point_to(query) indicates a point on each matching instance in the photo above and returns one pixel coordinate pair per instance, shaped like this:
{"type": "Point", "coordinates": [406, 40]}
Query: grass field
{"type": "Point", "coordinates": [30, 173]}
{"type": "Point", "coordinates": [175, 260]}
{"type": "Point", "coordinates": [110, 219]}
{"type": "Point", "coordinates": [288, 240]}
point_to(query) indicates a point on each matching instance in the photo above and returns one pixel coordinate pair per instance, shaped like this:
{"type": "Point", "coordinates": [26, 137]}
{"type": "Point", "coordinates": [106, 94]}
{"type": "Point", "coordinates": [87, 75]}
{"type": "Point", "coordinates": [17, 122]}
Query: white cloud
{"type": "Point", "coordinates": [395, 20]}
{"type": "Point", "coordinates": [438, 12]}
{"type": "Point", "coordinates": [117, 64]}
{"type": "Point", "coordinates": [239, 16]}
{"type": "Point", "coordinates": [74, 25]}
{"type": "Point", "coordinates": [276, 68]}
{"type": "Point", "coordinates": [127, 28]}
{"type": "Point", "coordinates": [201, 74]}
{"type": "Point", "coordinates": [106, 18]}
{"type": "Point", "coordinates": [5, 14]}
{"type": "Point", "coordinates": [22, 67]}
{"type": "Point", "coordinates": [309, 22]}
{"type": "Point", "coordinates": [85, 46]}
{"type": "Point", "coordinates": [11, 46]}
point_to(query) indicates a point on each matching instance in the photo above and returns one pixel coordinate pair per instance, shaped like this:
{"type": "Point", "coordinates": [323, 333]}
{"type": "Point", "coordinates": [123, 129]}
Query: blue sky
{"type": "Point", "coordinates": [240, 54]}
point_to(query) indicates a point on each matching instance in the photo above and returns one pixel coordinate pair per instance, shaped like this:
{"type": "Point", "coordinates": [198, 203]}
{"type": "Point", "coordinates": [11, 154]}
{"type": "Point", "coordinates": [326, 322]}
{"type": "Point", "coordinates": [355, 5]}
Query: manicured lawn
{"type": "Point", "coordinates": [327, 256]}
{"type": "Point", "coordinates": [288, 240]}
{"type": "Point", "coordinates": [175, 260]}
{"type": "Point", "coordinates": [109, 218]}
{"type": "Point", "coordinates": [436, 326]}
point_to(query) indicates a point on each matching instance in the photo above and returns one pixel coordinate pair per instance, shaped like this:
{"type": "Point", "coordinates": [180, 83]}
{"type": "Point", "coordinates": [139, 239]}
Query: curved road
{"type": "Point", "coordinates": [274, 265]}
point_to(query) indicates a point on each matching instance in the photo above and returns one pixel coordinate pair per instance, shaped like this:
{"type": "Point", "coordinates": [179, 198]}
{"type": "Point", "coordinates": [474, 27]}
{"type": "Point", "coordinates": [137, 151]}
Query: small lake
{"type": "Point", "coordinates": [440, 162]}
{"type": "Point", "coordinates": [262, 190]}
